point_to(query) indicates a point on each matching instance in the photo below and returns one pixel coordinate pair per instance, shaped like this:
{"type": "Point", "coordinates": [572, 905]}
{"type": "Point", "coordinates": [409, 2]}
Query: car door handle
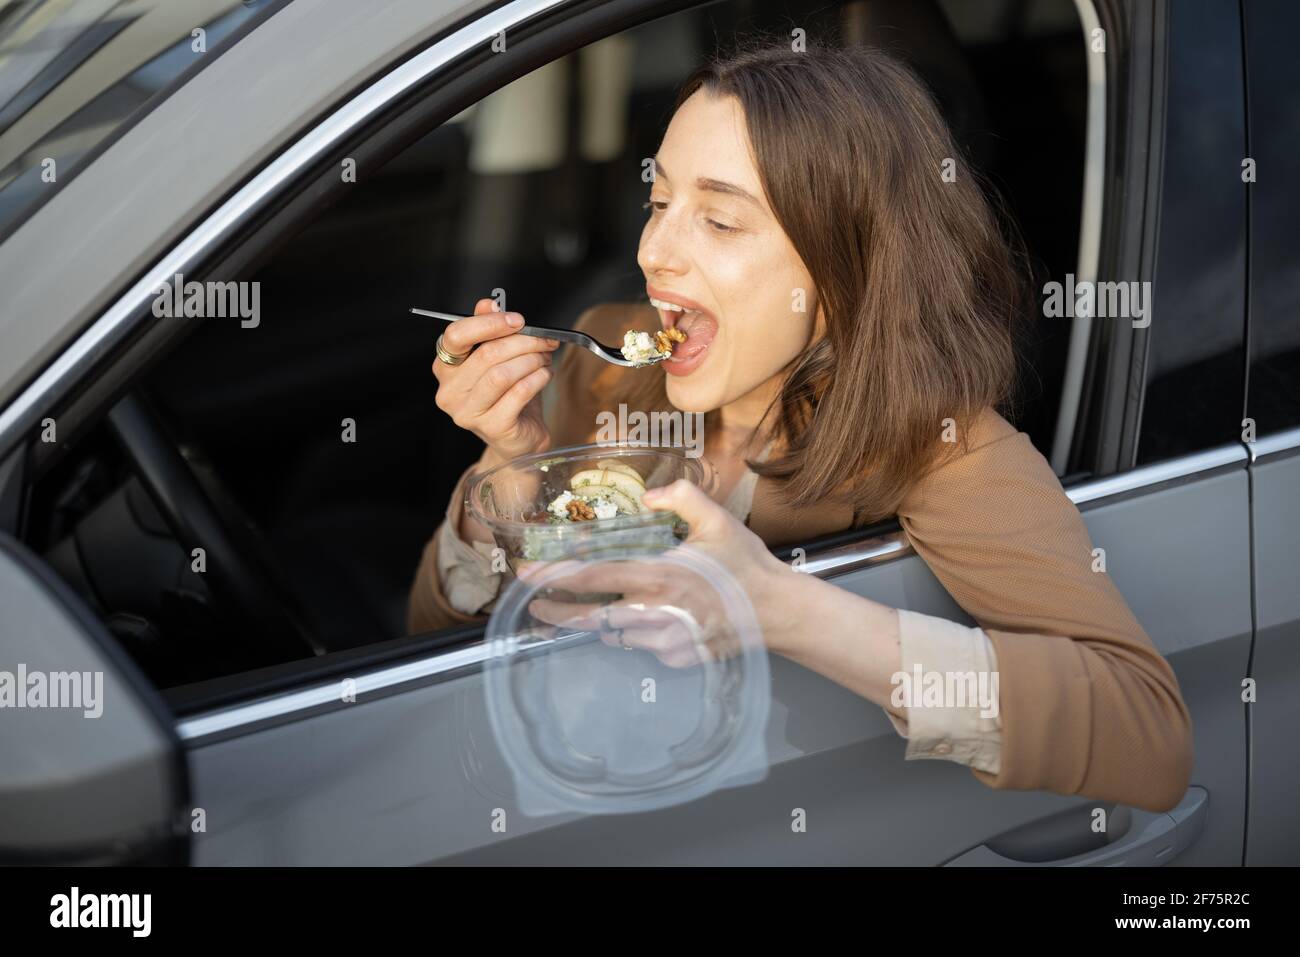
{"type": "Point", "coordinates": [1152, 839]}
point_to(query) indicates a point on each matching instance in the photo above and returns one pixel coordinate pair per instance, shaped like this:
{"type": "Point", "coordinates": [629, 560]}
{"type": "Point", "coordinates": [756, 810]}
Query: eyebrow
{"type": "Point", "coordinates": [713, 185]}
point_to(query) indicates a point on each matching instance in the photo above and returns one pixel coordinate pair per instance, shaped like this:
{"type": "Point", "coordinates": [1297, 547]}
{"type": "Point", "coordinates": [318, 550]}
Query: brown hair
{"type": "Point", "coordinates": [920, 287]}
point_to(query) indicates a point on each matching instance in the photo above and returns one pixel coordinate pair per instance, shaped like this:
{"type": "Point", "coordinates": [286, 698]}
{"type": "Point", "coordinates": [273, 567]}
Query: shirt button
{"type": "Point", "coordinates": [943, 747]}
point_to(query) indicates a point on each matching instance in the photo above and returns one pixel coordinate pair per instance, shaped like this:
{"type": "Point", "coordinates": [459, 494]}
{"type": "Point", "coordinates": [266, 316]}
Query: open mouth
{"type": "Point", "coordinates": [699, 327]}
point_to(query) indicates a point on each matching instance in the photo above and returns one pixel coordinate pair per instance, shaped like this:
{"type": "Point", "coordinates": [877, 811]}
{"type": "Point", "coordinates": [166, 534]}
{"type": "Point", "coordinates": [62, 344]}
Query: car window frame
{"type": "Point", "coordinates": [402, 119]}
{"type": "Point", "coordinates": [1271, 439]}
{"type": "Point", "coordinates": [1184, 39]}
{"type": "Point", "coordinates": [449, 651]}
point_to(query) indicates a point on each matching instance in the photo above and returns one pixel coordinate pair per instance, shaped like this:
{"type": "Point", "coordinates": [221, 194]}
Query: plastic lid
{"type": "Point", "coordinates": [627, 682]}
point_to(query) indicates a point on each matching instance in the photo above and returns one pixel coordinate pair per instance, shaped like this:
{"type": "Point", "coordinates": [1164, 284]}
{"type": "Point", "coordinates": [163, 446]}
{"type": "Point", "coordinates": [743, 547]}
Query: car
{"type": "Point", "coordinates": [220, 516]}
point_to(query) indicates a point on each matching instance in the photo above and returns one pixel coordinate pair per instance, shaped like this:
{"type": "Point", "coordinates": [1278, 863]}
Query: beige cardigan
{"type": "Point", "coordinates": [1087, 704]}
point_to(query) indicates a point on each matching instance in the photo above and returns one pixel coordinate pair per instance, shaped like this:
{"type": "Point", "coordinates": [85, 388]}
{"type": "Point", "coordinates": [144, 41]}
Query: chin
{"type": "Point", "coordinates": [691, 396]}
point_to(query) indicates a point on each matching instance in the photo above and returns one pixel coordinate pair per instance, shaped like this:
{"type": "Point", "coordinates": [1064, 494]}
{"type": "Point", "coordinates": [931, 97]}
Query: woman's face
{"type": "Point", "coordinates": [712, 244]}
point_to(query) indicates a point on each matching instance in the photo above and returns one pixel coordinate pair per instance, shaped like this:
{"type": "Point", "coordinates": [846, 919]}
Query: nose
{"type": "Point", "coordinates": [661, 249]}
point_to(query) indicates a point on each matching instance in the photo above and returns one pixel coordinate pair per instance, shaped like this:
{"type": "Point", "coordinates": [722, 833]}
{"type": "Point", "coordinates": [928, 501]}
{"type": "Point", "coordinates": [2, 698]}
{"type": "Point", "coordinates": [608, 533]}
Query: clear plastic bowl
{"type": "Point", "coordinates": [512, 499]}
{"type": "Point", "coordinates": [567, 698]}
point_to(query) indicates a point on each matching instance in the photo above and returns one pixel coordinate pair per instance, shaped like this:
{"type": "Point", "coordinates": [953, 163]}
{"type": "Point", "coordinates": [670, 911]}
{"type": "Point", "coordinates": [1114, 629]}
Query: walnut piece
{"type": "Point", "coordinates": [664, 339]}
{"type": "Point", "coordinates": [579, 511]}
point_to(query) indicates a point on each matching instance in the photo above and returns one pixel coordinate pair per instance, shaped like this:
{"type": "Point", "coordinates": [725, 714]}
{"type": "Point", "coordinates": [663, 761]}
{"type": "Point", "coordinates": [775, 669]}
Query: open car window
{"type": "Point", "coordinates": [311, 420]}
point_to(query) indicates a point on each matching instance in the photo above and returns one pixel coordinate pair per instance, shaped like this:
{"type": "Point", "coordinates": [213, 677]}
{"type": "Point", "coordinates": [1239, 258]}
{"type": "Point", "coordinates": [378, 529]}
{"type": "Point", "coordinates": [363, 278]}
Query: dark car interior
{"type": "Point", "coordinates": [319, 536]}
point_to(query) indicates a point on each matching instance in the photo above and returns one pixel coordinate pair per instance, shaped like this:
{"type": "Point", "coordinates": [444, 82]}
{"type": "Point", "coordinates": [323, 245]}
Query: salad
{"type": "Point", "coordinates": [642, 348]}
{"type": "Point", "coordinates": [563, 503]}
{"type": "Point", "coordinates": [607, 491]}
{"type": "Point", "coordinates": [611, 490]}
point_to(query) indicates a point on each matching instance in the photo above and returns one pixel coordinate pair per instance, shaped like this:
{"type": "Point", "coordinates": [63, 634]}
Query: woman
{"type": "Point", "coordinates": [848, 310]}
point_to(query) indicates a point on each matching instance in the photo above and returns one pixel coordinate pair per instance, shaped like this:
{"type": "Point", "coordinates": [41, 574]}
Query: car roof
{"type": "Point", "coordinates": [131, 203]}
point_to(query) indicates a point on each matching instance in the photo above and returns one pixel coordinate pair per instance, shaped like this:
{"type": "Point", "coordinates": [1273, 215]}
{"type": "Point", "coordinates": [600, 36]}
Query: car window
{"type": "Point", "coordinates": [537, 192]}
{"type": "Point", "coordinates": [1196, 317]}
{"type": "Point", "coordinates": [1274, 85]}
{"type": "Point", "coordinates": [74, 74]}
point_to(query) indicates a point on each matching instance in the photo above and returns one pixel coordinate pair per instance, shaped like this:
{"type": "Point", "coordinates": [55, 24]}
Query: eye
{"type": "Point", "coordinates": [659, 205]}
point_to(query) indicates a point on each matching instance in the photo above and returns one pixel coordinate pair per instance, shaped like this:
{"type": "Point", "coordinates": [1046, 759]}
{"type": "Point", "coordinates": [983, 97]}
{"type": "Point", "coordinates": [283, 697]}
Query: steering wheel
{"type": "Point", "coordinates": [235, 570]}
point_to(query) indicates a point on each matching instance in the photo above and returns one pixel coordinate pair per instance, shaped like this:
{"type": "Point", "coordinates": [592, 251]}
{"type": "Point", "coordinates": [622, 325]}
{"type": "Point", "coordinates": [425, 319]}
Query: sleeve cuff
{"type": "Point", "coordinates": [465, 568]}
{"type": "Point", "coordinates": [949, 682]}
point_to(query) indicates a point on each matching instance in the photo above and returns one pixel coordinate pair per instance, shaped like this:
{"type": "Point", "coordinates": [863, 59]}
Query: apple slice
{"type": "Point", "coordinates": [613, 465]}
{"type": "Point", "coordinates": [594, 493]}
{"type": "Point", "coordinates": [629, 485]}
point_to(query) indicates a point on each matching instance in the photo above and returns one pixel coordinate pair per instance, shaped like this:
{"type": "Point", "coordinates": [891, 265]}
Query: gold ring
{"type": "Point", "coordinates": [447, 357]}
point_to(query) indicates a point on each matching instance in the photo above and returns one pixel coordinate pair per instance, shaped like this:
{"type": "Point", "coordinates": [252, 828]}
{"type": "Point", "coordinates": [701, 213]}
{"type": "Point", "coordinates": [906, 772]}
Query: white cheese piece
{"type": "Point", "coordinates": [557, 507]}
{"type": "Point", "coordinates": [639, 346]}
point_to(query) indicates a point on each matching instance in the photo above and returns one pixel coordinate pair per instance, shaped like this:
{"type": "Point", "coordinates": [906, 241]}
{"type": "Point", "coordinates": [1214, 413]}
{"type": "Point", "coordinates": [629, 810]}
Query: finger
{"type": "Point", "coordinates": [683, 657]}
{"type": "Point", "coordinates": [457, 385]}
{"type": "Point", "coordinates": [496, 351]}
{"type": "Point", "coordinates": [607, 617]}
{"type": "Point", "coordinates": [488, 306]}
{"type": "Point", "coordinates": [566, 613]}
{"type": "Point", "coordinates": [502, 418]}
{"type": "Point", "coordinates": [665, 639]}
{"type": "Point", "coordinates": [462, 336]}
{"type": "Point", "coordinates": [623, 624]}
{"type": "Point", "coordinates": [672, 644]}
{"type": "Point", "coordinates": [493, 385]}
{"type": "Point", "coordinates": [623, 639]}
{"type": "Point", "coordinates": [704, 516]}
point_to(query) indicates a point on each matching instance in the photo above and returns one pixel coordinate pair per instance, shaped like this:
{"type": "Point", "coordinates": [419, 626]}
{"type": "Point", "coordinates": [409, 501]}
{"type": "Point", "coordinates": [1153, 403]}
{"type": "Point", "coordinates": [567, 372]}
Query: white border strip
{"type": "Point", "coordinates": [1094, 165]}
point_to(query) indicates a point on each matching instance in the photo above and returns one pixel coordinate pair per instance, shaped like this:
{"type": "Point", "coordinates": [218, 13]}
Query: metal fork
{"type": "Point", "coordinates": [608, 353]}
